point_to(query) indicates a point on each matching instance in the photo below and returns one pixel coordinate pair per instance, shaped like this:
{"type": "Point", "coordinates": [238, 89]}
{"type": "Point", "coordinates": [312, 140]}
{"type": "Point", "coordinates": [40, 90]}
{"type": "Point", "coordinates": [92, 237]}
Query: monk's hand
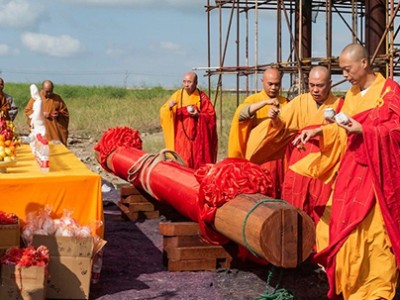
{"type": "Point", "coordinates": [194, 113]}
{"type": "Point", "coordinates": [172, 103]}
{"type": "Point", "coordinates": [272, 101]}
{"type": "Point", "coordinates": [352, 126]}
{"type": "Point", "coordinates": [306, 135]}
{"type": "Point", "coordinates": [273, 114]}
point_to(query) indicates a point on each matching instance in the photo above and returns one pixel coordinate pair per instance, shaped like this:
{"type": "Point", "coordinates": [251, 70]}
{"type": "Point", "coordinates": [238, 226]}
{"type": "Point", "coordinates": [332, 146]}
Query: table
{"type": "Point", "coordinates": [69, 185]}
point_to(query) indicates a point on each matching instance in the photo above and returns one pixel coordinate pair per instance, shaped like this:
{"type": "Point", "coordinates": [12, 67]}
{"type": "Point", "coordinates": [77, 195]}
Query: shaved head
{"type": "Point", "coordinates": [272, 82]}
{"type": "Point", "coordinates": [319, 83]}
{"type": "Point", "coordinates": [354, 62]}
{"type": "Point", "coordinates": [355, 52]}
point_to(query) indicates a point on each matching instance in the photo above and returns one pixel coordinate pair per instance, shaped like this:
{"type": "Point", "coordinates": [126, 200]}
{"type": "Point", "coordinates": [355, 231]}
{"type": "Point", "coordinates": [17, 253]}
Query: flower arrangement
{"type": "Point", "coordinates": [26, 257]}
{"type": "Point", "coordinates": [8, 218]}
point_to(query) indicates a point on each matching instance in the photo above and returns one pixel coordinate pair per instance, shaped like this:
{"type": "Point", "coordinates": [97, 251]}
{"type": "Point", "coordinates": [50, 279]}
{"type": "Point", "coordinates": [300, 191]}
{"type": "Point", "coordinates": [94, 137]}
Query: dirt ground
{"type": "Point", "coordinates": [133, 264]}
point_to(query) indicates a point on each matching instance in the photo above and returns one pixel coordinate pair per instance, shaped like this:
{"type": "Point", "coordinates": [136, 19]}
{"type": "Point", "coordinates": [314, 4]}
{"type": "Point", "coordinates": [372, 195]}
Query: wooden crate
{"type": "Point", "coordinates": [185, 250]}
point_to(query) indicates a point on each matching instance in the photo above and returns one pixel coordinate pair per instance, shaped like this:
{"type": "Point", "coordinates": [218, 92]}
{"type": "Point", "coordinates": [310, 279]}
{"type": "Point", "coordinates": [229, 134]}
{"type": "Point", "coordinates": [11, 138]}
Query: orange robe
{"type": "Point", "coordinates": [364, 235]}
{"type": "Point", "coordinates": [194, 139]}
{"type": "Point", "coordinates": [56, 126]}
{"type": "Point", "coordinates": [240, 133]}
{"type": "Point", "coordinates": [270, 142]}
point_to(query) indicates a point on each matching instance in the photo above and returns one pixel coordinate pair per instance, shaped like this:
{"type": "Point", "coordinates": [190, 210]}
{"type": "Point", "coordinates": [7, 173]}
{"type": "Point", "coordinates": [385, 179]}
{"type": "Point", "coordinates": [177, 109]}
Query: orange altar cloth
{"type": "Point", "coordinates": [69, 185]}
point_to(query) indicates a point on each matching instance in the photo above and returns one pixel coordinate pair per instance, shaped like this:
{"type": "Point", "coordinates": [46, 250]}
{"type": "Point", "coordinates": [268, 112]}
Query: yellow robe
{"type": "Point", "coordinates": [240, 131]}
{"type": "Point", "coordinates": [365, 264]}
{"type": "Point", "coordinates": [167, 115]}
{"type": "Point", "coordinates": [268, 142]}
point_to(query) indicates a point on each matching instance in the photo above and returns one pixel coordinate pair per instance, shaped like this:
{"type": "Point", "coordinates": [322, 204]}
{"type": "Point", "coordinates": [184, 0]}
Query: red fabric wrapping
{"type": "Point", "coordinates": [116, 137]}
{"type": "Point", "coordinates": [222, 182]}
{"type": "Point", "coordinates": [196, 195]}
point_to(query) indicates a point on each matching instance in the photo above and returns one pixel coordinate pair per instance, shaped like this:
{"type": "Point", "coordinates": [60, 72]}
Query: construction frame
{"type": "Point", "coordinates": [371, 23]}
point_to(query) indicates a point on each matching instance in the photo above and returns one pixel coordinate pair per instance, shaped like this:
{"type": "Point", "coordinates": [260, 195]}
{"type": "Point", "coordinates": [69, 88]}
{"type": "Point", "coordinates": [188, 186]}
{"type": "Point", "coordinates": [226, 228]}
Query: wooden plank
{"type": "Point", "coordinates": [136, 207]}
{"type": "Point", "coordinates": [133, 199]}
{"type": "Point", "coordinates": [192, 265]}
{"type": "Point", "coordinates": [127, 190]}
{"type": "Point", "coordinates": [199, 252]}
{"type": "Point", "coordinates": [144, 215]}
{"type": "Point", "coordinates": [183, 241]}
{"type": "Point", "coordinates": [179, 228]}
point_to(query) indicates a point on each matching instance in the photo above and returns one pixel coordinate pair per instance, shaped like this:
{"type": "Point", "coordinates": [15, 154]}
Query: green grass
{"type": "Point", "coordinates": [95, 109]}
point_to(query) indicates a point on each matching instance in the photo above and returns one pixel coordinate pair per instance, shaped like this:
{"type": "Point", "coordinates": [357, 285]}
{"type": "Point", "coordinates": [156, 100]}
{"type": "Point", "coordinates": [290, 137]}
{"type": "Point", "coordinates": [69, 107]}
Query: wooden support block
{"type": "Point", "coordinates": [179, 228]}
{"type": "Point", "coordinates": [133, 199]}
{"type": "Point", "coordinates": [192, 265]}
{"type": "Point", "coordinates": [185, 249]}
{"type": "Point", "coordinates": [137, 207]}
{"type": "Point", "coordinates": [126, 213]}
{"type": "Point", "coordinates": [127, 190]}
{"type": "Point", "coordinates": [182, 241]}
{"type": "Point", "coordinates": [199, 252]}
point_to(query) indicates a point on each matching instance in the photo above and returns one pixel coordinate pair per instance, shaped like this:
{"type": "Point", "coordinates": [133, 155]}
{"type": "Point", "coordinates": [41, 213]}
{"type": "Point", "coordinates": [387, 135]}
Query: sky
{"type": "Point", "coordinates": [102, 42]}
{"type": "Point", "coordinates": [129, 43]}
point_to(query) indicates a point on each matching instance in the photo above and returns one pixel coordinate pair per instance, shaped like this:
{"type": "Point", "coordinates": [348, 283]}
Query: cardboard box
{"type": "Point", "coordinates": [69, 267]}
{"type": "Point", "coordinates": [19, 283]}
{"type": "Point", "coordinates": [9, 237]}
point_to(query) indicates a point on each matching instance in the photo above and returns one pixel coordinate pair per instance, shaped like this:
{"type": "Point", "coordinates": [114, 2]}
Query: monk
{"type": "Point", "coordinates": [7, 104]}
{"type": "Point", "coordinates": [188, 121]}
{"type": "Point", "coordinates": [55, 113]}
{"type": "Point", "coordinates": [250, 114]}
{"type": "Point", "coordinates": [360, 153]}
{"type": "Point", "coordinates": [270, 139]}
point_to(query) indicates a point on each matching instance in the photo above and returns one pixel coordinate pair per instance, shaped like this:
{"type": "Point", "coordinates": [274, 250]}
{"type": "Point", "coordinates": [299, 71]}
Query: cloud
{"type": "Point", "coordinates": [172, 48]}
{"type": "Point", "coordinates": [6, 50]}
{"type": "Point", "coordinates": [170, 4]}
{"type": "Point", "coordinates": [20, 13]}
{"type": "Point", "coordinates": [58, 46]}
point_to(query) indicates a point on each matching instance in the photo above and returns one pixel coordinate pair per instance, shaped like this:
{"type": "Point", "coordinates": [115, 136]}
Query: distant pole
{"type": "Point", "coordinates": [126, 79]}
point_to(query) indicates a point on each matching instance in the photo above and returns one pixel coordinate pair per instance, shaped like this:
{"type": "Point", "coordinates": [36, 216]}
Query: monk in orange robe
{"type": "Point", "coordinates": [360, 152]}
{"type": "Point", "coordinates": [250, 114]}
{"type": "Point", "coordinates": [7, 104]}
{"type": "Point", "coordinates": [188, 122]}
{"type": "Point", "coordinates": [55, 113]}
{"type": "Point", "coordinates": [269, 141]}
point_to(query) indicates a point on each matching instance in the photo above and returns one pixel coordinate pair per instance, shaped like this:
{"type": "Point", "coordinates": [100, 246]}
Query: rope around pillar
{"type": "Point", "coordinates": [143, 167]}
{"type": "Point", "coordinates": [277, 293]}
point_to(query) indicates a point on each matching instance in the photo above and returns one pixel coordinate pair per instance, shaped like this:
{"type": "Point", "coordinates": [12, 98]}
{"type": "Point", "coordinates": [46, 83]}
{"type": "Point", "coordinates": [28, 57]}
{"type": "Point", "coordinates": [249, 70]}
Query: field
{"type": "Point", "coordinates": [95, 109]}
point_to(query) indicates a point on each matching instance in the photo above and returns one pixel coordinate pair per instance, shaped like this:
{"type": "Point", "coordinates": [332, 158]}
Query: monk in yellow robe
{"type": "Point", "coordinates": [360, 152]}
{"type": "Point", "coordinates": [55, 112]}
{"type": "Point", "coordinates": [251, 113]}
{"type": "Point", "coordinates": [269, 140]}
{"type": "Point", "coordinates": [188, 121]}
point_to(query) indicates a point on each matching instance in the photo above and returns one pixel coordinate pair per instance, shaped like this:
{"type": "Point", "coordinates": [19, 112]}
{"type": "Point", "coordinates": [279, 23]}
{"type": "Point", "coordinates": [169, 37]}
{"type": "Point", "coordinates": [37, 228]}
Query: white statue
{"type": "Point", "coordinates": [37, 118]}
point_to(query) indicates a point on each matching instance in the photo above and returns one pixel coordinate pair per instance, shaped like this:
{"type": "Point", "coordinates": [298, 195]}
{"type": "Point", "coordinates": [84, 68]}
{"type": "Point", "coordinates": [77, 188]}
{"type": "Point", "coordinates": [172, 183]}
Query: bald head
{"type": "Point", "coordinates": [190, 82]}
{"type": "Point", "coordinates": [272, 82]}
{"type": "Point", "coordinates": [355, 51]}
{"type": "Point", "coordinates": [47, 87]}
{"type": "Point", "coordinates": [319, 83]}
{"type": "Point", "coordinates": [354, 62]}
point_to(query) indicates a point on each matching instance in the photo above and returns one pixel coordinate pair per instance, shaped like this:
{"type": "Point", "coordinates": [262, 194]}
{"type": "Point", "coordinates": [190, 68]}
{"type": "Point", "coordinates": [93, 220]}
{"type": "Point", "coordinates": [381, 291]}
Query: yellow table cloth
{"type": "Point", "coordinates": [69, 185]}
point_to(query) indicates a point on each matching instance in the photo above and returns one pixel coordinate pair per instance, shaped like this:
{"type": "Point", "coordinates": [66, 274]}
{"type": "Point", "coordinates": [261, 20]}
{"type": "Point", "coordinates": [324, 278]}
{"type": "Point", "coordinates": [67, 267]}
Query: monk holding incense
{"type": "Point", "coordinates": [188, 121]}
{"type": "Point", "coordinates": [360, 153]}
{"type": "Point", "coordinates": [250, 114]}
{"type": "Point", "coordinates": [55, 113]}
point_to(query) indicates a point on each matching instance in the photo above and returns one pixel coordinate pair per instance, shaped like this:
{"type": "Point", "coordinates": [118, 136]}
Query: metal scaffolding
{"type": "Point", "coordinates": [371, 23]}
